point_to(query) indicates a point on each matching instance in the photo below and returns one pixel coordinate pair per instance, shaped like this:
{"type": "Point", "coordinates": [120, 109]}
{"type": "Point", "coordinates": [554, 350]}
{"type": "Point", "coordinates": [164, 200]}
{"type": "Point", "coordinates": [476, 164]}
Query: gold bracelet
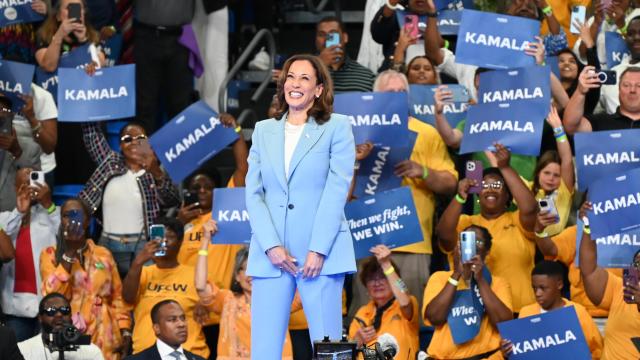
{"type": "Point", "coordinates": [389, 271]}
{"type": "Point", "coordinates": [203, 252]}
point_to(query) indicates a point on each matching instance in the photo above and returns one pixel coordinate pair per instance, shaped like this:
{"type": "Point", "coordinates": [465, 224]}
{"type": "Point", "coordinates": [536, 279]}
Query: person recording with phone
{"type": "Point", "coordinates": [129, 187]}
{"type": "Point", "coordinates": [392, 308]}
{"type": "Point", "coordinates": [471, 334]}
{"type": "Point", "coordinates": [24, 233]}
{"type": "Point", "coordinates": [144, 286]}
{"type": "Point", "coordinates": [624, 116]}
{"type": "Point", "coordinates": [513, 240]}
{"type": "Point", "coordinates": [347, 74]}
{"type": "Point", "coordinates": [620, 296]}
{"type": "Point", "coordinates": [87, 275]}
{"type": "Point", "coordinates": [54, 316]}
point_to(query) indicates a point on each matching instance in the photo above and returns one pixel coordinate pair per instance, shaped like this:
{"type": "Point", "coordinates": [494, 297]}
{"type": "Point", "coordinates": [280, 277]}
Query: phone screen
{"type": "Point", "coordinates": [411, 25]}
{"type": "Point", "coordinates": [332, 39]}
{"type": "Point", "coordinates": [190, 198]}
{"type": "Point", "coordinates": [473, 171]}
{"type": "Point", "coordinates": [578, 15]}
{"type": "Point", "coordinates": [73, 11]}
{"type": "Point", "coordinates": [467, 245]}
{"type": "Point", "coordinates": [157, 232]}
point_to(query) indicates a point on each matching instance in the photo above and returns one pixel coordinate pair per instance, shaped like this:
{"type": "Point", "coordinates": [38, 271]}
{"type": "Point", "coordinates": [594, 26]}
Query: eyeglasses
{"type": "Point", "coordinates": [52, 310]}
{"type": "Point", "coordinates": [127, 139]}
{"type": "Point", "coordinates": [495, 185]}
{"type": "Point", "coordinates": [4, 109]}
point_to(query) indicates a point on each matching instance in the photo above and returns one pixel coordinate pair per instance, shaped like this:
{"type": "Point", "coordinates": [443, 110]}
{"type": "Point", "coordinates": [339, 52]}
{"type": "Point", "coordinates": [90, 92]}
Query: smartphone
{"type": "Point", "coordinates": [36, 177]}
{"type": "Point", "coordinates": [459, 94]}
{"type": "Point", "coordinates": [467, 245]}
{"type": "Point", "coordinates": [630, 276]}
{"type": "Point", "coordinates": [608, 77]}
{"type": "Point", "coordinates": [74, 11]}
{"type": "Point", "coordinates": [578, 14]}
{"type": "Point", "coordinates": [473, 171]}
{"type": "Point", "coordinates": [333, 38]}
{"type": "Point", "coordinates": [75, 216]}
{"type": "Point", "coordinates": [411, 25]}
{"type": "Point", "coordinates": [190, 198]}
{"type": "Point", "coordinates": [144, 148]}
{"type": "Point", "coordinates": [6, 123]}
{"type": "Point", "coordinates": [157, 232]}
{"type": "Point", "coordinates": [549, 206]}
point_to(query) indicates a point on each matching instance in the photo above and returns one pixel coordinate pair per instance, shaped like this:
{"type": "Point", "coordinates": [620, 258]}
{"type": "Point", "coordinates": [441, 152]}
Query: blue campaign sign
{"type": "Point", "coordinates": [77, 58]}
{"type": "Point", "coordinates": [512, 125]}
{"type": "Point", "coordinates": [495, 41]}
{"type": "Point", "coordinates": [449, 22]}
{"type": "Point", "coordinates": [230, 212]}
{"type": "Point", "coordinates": [422, 104]}
{"type": "Point", "coordinates": [376, 171]}
{"type": "Point", "coordinates": [529, 84]}
{"type": "Point", "coordinates": [190, 139]}
{"type": "Point", "coordinates": [379, 117]}
{"type": "Point", "coordinates": [453, 4]}
{"type": "Point", "coordinates": [602, 153]}
{"type": "Point", "coordinates": [553, 64]}
{"type": "Point", "coordinates": [616, 204]}
{"type": "Point", "coordinates": [387, 218]}
{"type": "Point", "coordinates": [17, 12]}
{"type": "Point", "coordinates": [616, 48]}
{"type": "Point", "coordinates": [112, 48]}
{"type": "Point", "coordinates": [614, 251]}
{"type": "Point", "coordinates": [556, 334]}
{"type": "Point", "coordinates": [107, 95]}
{"type": "Point", "coordinates": [15, 79]}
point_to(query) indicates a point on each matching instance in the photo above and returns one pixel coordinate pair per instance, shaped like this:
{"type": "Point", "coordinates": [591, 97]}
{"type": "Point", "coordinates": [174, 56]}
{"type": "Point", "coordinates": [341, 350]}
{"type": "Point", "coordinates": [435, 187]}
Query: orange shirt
{"type": "Point", "coordinates": [589, 328]}
{"type": "Point", "coordinates": [623, 323]}
{"type": "Point", "coordinates": [488, 338]}
{"type": "Point", "coordinates": [566, 244]}
{"type": "Point", "coordinates": [393, 322]}
{"type": "Point", "coordinates": [511, 255]}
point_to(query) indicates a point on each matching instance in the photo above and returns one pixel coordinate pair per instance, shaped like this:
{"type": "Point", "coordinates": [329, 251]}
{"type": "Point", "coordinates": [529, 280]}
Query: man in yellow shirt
{"type": "Point", "coordinates": [447, 306]}
{"type": "Point", "coordinates": [145, 286]}
{"type": "Point", "coordinates": [547, 283]}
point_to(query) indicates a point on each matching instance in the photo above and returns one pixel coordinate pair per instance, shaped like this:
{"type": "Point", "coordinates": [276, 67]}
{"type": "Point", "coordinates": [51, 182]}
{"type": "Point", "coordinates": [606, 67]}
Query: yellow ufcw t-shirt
{"type": "Point", "coordinates": [430, 151]}
{"type": "Point", "coordinates": [623, 323]}
{"type": "Point", "coordinates": [161, 284]}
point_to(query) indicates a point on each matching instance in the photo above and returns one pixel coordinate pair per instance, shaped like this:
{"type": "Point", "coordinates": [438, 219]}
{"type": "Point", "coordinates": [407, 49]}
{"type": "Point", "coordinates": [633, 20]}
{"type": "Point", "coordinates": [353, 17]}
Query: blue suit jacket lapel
{"type": "Point", "coordinates": [310, 135]}
{"type": "Point", "coordinates": [276, 150]}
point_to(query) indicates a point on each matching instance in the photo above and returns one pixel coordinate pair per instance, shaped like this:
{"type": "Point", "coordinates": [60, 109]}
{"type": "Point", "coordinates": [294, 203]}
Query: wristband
{"type": "Point", "coordinates": [561, 139]}
{"type": "Point", "coordinates": [425, 172]}
{"type": "Point", "coordinates": [238, 129]}
{"type": "Point", "coordinates": [389, 271]}
{"type": "Point", "coordinates": [623, 31]}
{"type": "Point", "coordinates": [401, 285]}
{"type": "Point", "coordinates": [559, 130]}
{"type": "Point", "coordinates": [51, 209]}
{"type": "Point", "coordinates": [460, 199]}
{"type": "Point", "coordinates": [586, 229]}
{"type": "Point", "coordinates": [547, 10]}
{"type": "Point", "coordinates": [452, 281]}
{"type": "Point", "coordinates": [70, 260]}
{"type": "Point", "coordinates": [203, 252]}
{"type": "Point", "coordinates": [542, 234]}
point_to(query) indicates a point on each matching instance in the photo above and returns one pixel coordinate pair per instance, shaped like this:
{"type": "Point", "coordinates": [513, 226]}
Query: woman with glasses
{"type": "Point", "coordinates": [130, 188]}
{"type": "Point", "coordinates": [87, 276]}
{"type": "Point", "coordinates": [512, 256]}
{"type": "Point", "coordinates": [619, 295]}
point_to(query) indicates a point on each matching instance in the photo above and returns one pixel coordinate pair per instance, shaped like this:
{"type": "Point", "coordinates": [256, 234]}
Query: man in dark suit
{"type": "Point", "coordinates": [170, 326]}
{"type": "Point", "coordinates": [9, 345]}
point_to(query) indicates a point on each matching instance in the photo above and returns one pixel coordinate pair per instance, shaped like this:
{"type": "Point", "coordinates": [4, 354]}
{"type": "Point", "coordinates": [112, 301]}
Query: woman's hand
{"type": "Point", "coordinates": [125, 347]}
{"type": "Point", "coordinates": [364, 335]}
{"type": "Point", "coordinates": [585, 209]}
{"type": "Point", "coordinates": [457, 263]}
{"type": "Point", "coordinates": [188, 213]}
{"type": "Point", "coordinates": [363, 150]}
{"type": "Point", "coordinates": [23, 199]}
{"type": "Point", "coordinates": [148, 251]}
{"type": "Point", "coordinates": [27, 110]}
{"type": "Point", "coordinates": [476, 264]}
{"type": "Point", "coordinates": [313, 265]}
{"type": "Point", "coordinates": [200, 314]}
{"type": "Point", "coordinates": [442, 97]}
{"type": "Point", "coordinates": [585, 33]}
{"type": "Point", "coordinates": [543, 220]}
{"type": "Point", "coordinates": [506, 347]}
{"type": "Point", "coordinates": [405, 39]}
{"type": "Point", "coordinates": [91, 68]}
{"type": "Point", "coordinates": [409, 168]}
{"type": "Point", "coordinates": [503, 156]}
{"type": "Point", "coordinates": [228, 120]}
{"type": "Point", "coordinates": [209, 229]}
{"type": "Point", "coordinates": [464, 185]}
{"type": "Point", "coordinates": [42, 194]}
{"type": "Point", "coordinates": [281, 259]}
{"type": "Point", "coordinates": [382, 254]}
{"type": "Point", "coordinates": [588, 79]}
{"type": "Point", "coordinates": [553, 118]}
{"type": "Point", "coordinates": [66, 27]}
{"type": "Point", "coordinates": [536, 49]}
{"type": "Point", "coordinates": [39, 6]}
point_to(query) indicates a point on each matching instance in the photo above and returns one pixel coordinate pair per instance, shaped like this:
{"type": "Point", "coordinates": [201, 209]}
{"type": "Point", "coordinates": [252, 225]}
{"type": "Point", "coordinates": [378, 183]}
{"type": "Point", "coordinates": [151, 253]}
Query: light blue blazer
{"type": "Point", "coordinates": [305, 213]}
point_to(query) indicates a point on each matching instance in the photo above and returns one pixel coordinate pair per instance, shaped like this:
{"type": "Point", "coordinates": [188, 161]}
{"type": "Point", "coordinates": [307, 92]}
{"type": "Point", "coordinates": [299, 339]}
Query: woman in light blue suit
{"type": "Point", "coordinates": [300, 168]}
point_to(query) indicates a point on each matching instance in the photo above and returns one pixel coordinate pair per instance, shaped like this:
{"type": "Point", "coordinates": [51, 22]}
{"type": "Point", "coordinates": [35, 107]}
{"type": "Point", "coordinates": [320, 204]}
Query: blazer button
{"type": "Point", "coordinates": [291, 206]}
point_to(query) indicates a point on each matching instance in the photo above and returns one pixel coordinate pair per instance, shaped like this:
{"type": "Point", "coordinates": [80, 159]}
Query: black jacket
{"type": "Point", "coordinates": [151, 353]}
{"type": "Point", "coordinates": [9, 345]}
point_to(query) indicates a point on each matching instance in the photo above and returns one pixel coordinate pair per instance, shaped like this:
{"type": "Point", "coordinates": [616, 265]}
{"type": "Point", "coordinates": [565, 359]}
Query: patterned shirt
{"type": "Point", "coordinates": [352, 77]}
{"type": "Point", "coordinates": [554, 43]}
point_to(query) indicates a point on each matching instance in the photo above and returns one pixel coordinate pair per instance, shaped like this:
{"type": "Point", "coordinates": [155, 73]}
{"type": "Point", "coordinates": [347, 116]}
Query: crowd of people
{"type": "Point", "coordinates": [89, 261]}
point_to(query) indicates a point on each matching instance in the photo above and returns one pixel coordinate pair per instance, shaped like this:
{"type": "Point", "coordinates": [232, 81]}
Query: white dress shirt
{"type": "Point", "coordinates": [34, 349]}
{"type": "Point", "coordinates": [166, 351]}
{"type": "Point", "coordinates": [292, 135]}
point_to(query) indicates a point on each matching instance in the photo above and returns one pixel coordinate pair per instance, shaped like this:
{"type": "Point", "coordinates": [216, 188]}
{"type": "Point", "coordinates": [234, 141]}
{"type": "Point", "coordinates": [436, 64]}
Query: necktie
{"type": "Point", "coordinates": [177, 355]}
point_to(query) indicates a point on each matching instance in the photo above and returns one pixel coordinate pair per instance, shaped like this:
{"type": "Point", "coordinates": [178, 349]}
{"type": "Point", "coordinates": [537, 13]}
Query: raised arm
{"type": "Point", "coordinates": [398, 287]}
{"type": "Point", "coordinates": [451, 136]}
{"type": "Point", "coordinates": [527, 205]}
{"type": "Point", "coordinates": [547, 247]}
{"type": "Point", "coordinates": [496, 309]}
{"type": "Point", "coordinates": [131, 283]}
{"type": "Point", "coordinates": [436, 310]}
{"type": "Point", "coordinates": [384, 24]}
{"type": "Point", "coordinates": [432, 38]}
{"type": "Point", "coordinates": [447, 226]}
{"type": "Point", "coordinates": [95, 142]}
{"type": "Point", "coordinates": [240, 151]}
{"type": "Point", "coordinates": [574, 120]}
{"type": "Point", "coordinates": [564, 149]}
{"type": "Point", "coordinates": [209, 228]}
{"type": "Point", "coordinates": [594, 277]}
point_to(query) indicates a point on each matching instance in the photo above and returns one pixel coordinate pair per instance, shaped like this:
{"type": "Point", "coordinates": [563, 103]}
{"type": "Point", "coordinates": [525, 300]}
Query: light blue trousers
{"type": "Point", "coordinates": [271, 306]}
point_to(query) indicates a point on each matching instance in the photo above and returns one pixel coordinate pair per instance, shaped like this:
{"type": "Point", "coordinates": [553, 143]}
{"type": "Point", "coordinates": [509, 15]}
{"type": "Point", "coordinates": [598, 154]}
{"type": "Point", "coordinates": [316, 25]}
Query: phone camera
{"type": "Point", "coordinates": [602, 76]}
{"type": "Point", "coordinates": [34, 176]}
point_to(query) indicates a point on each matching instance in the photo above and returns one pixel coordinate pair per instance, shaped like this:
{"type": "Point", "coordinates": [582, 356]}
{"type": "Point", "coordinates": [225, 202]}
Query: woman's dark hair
{"type": "Point", "coordinates": [433, 66]}
{"type": "Point", "coordinates": [323, 105]}
{"type": "Point", "coordinates": [486, 235]}
{"type": "Point", "coordinates": [371, 267]}
{"type": "Point", "coordinates": [61, 246]}
{"type": "Point", "coordinates": [211, 173]}
{"type": "Point", "coordinates": [496, 172]}
{"type": "Point", "coordinates": [574, 82]}
{"type": "Point", "coordinates": [51, 24]}
{"type": "Point", "coordinates": [172, 224]}
{"type": "Point", "coordinates": [241, 257]}
{"type": "Point", "coordinates": [549, 157]}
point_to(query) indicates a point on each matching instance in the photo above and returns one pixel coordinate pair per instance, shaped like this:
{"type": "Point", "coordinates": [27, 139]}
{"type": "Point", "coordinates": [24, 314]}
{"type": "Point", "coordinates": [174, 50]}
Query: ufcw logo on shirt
{"type": "Point", "coordinates": [167, 287]}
